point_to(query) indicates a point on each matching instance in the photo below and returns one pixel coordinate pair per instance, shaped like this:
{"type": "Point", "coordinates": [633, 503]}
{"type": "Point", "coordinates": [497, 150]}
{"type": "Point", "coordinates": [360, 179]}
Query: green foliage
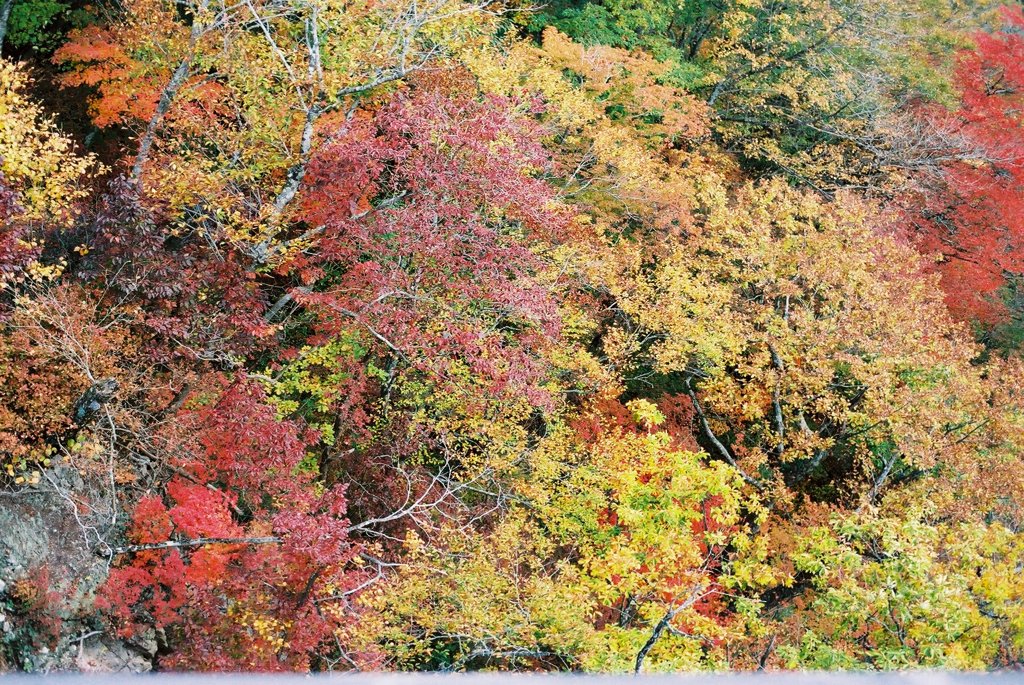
{"type": "Point", "coordinates": [801, 88]}
{"type": "Point", "coordinates": [37, 24]}
{"type": "Point", "coordinates": [311, 384]}
{"type": "Point", "coordinates": [891, 596]}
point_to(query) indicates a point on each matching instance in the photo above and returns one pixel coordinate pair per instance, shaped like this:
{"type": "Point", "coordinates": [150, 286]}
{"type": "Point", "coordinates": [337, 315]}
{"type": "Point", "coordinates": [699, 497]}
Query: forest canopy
{"type": "Point", "coordinates": [453, 335]}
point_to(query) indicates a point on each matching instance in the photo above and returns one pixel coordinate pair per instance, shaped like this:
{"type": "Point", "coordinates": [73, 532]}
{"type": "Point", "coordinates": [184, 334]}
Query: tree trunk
{"type": "Point", "coordinates": [178, 78]}
{"type": "Point", "coordinates": [166, 98]}
{"type": "Point", "coordinates": [5, 14]}
{"type": "Point", "coordinates": [92, 400]}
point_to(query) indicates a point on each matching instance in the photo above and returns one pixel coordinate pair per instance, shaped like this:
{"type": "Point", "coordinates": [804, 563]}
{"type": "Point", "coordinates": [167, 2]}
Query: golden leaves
{"type": "Point", "coordinates": [37, 160]}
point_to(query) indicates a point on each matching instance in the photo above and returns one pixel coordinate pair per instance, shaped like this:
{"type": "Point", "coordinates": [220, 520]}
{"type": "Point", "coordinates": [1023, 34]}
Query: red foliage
{"type": "Point", "coordinates": [197, 298]}
{"type": "Point", "coordinates": [269, 598]}
{"type": "Point", "coordinates": [975, 219]}
{"type": "Point", "coordinates": [679, 421]}
{"type": "Point", "coordinates": [608, 412]}
{"type": "Point", "coordinates": [97, 60]}
{"type": "Point", "coordinates": [427, 209]}
{"type": "Point", "coordinates": [38, 608]}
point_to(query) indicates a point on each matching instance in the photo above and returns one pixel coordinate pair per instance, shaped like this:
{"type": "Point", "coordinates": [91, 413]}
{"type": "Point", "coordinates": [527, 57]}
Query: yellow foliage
{"type": "Point", "coordinates": [36, 160]}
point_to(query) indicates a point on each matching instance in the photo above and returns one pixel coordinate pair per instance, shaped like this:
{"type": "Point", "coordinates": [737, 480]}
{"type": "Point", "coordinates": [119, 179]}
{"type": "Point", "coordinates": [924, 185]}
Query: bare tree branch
{"type": "Point", "coordinates": [180, 75]}
{"type": "Point", "coordinates": [696, 594]}
{"type": "Point", "coordinates": [721, 449]}
{"type": "Point", "coordinates": [196, 542]}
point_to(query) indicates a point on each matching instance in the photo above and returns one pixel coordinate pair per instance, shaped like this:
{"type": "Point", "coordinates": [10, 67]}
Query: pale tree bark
{"type": "Point", "coordinates": [665, 624]}
{"type": "Point", "coordinates": [5, 15]}
{"type": "Point", "coordinates": [170, 91]}
{"type": "Point", "coordinates": [196, 542]}
{"type": "Point", "coordinates": [720, 448]}
{"type": "Point", "coordinates": [166, 98]}
{"type": "Point", "coordinates": [316, 101]}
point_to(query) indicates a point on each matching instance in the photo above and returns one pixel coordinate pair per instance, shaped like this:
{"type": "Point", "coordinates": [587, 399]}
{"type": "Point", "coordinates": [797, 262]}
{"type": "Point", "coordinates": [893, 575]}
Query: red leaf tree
{"type": "Point", "coordinates": [242, 559]}
{"type": "Point", "coordinates": [431, 218]}
{"type": "Point", "coordinates": [973, 212]}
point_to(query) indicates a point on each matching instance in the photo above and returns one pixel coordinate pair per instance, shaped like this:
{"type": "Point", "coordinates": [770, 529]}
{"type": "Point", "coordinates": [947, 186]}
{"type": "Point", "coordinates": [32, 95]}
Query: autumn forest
{"type": "Point", "coordinates": [455, 335]}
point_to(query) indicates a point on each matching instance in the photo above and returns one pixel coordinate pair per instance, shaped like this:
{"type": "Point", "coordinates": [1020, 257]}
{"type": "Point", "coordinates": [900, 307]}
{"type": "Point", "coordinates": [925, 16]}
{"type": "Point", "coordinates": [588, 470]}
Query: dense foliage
{"type": "Point", "coordinates": [449, 335]}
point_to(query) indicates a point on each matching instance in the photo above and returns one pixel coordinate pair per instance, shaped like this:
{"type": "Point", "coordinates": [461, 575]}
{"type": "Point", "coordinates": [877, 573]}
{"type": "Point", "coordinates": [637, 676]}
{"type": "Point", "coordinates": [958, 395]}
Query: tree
{"type": "Point", "coordinates": [968, 210]}
{"type": "Point", "coordinates": [616, 562]}
{"type": "Point", "coordinates": [804, 89]}
{"type": "Point", "coordinates": [227, 98]}
{"type": "Point", "coordinates": [242, 526]}
{"type": "Point", "coordinates": [41, 178]}
{"type": "Point", "coordinates": [433, 264]}
{"type": "Point", "coordinates": [907, 592]}
{"type": "Point", "coordinates": [406, 341]}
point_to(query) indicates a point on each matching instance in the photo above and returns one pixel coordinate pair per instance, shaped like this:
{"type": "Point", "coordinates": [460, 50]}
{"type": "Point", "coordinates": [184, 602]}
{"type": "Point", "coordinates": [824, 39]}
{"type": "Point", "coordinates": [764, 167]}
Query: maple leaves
{"type": "Point", "coordinates": [800, 88]}
{"type": "Point", "coordinates": [971, 209]}
{"type": "Point", "coordinates": [618, 531]}
{"type": "Point", "coordinates": [652, 546]}
{"type": "Point", "coordinates": [431, 259]}
{"type": "Point", "coordinates": [241, 524]}
{"type": "Point", "coordinates": [99, 61]}
{"type": "Point", "coordinates": [228, 99]}
{"type": "Point", "coordinates": [797, 319]}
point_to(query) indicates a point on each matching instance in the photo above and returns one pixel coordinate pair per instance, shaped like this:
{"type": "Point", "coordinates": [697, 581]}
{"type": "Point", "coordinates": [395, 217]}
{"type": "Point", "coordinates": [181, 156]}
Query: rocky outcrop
{"type": "Point", "coordinates": [49, 573]}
